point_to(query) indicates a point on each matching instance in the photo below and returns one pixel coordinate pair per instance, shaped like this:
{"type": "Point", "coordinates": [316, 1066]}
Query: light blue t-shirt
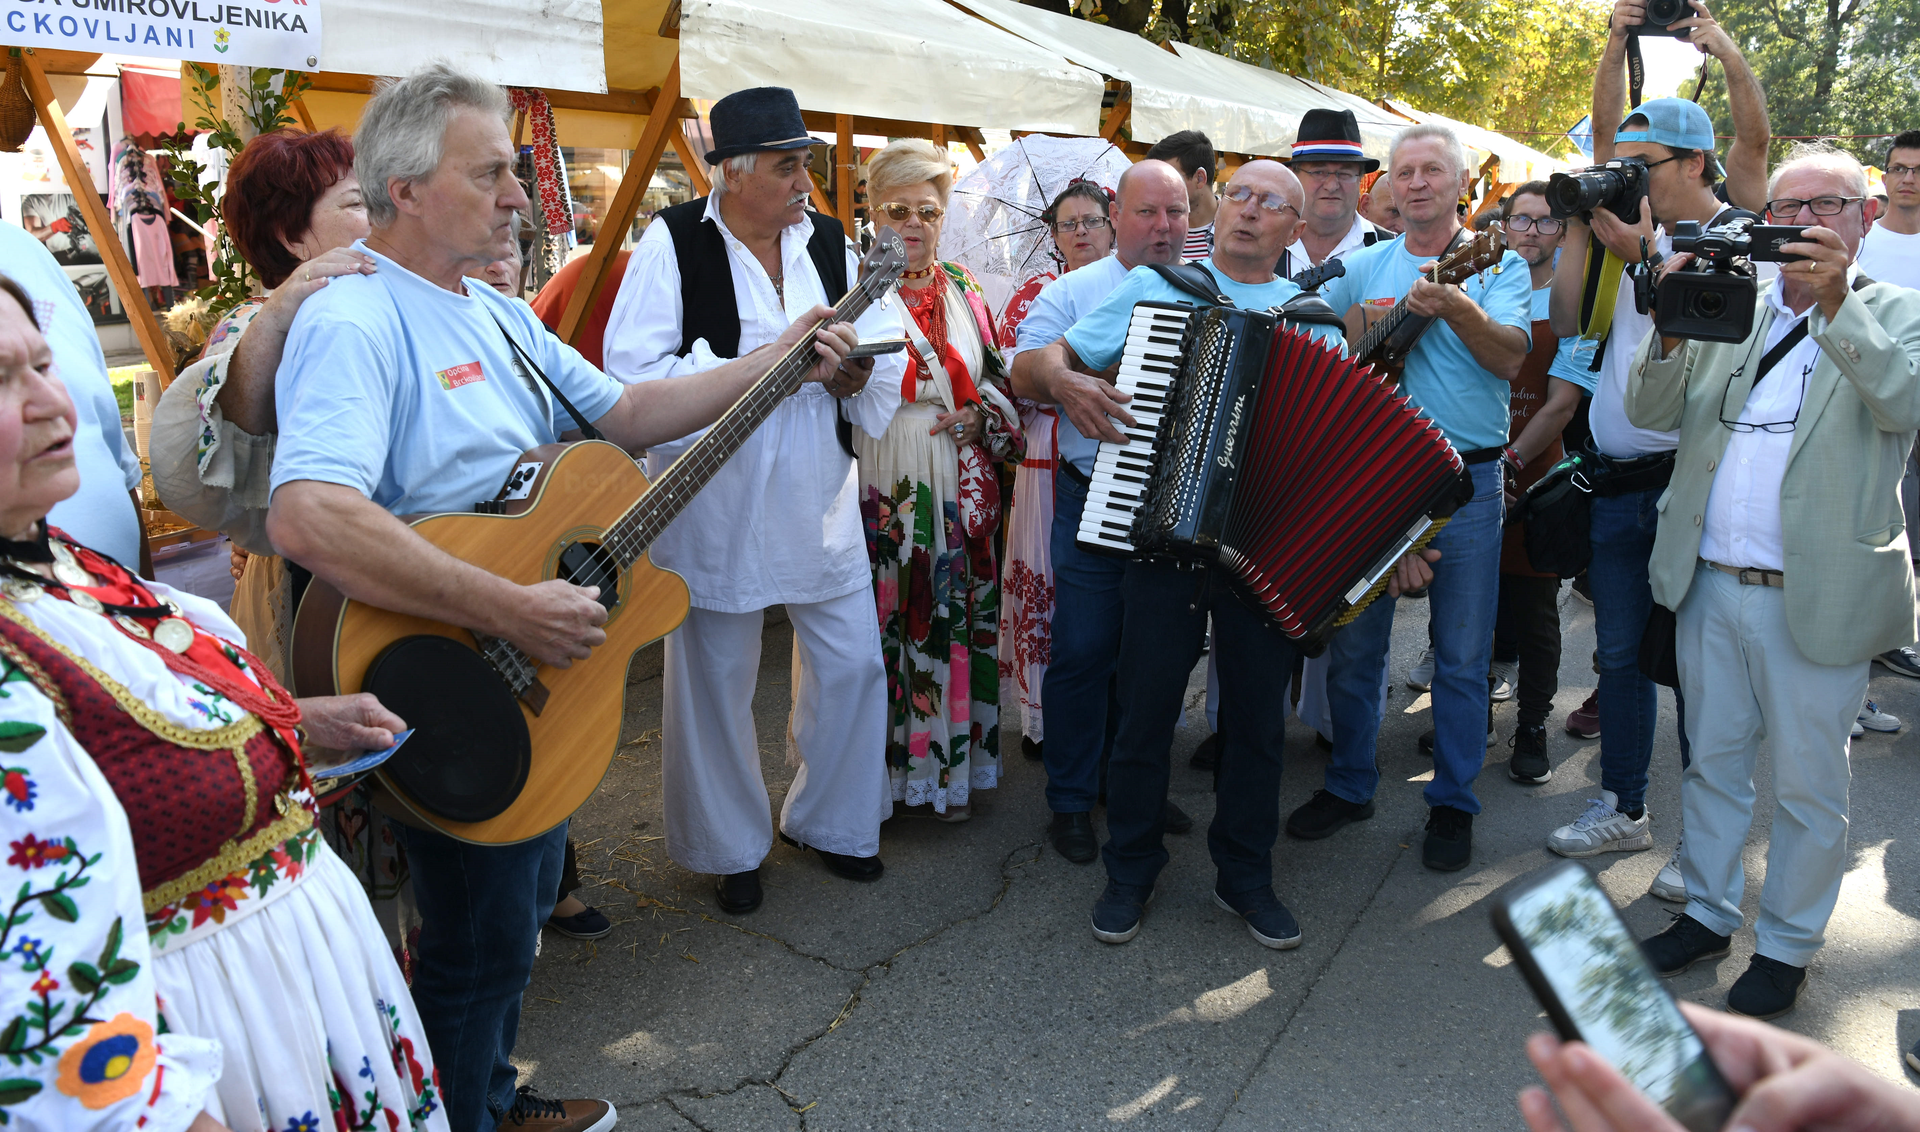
{"type": "Point", "coordinates": [1469, 404]}
{"type": "Point", "coordinates": [1100, 336]}
{"type": "Point", "coordinates": [100, 514]}
{"type": "Point", "coordinates": [1059, 305]}
{"type": "Point", "coordinates": [1573, 355]}
{"type": "Point", "coordinates": [409, 393]}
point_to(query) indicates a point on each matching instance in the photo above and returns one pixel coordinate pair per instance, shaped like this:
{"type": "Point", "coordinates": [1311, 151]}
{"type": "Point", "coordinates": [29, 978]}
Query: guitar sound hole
{"type": "Point", "coordinates": [589, 564]}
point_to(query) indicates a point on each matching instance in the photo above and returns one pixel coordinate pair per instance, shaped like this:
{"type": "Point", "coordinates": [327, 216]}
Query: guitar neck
{"type": "Point", "coordinates": [676, 487]}
{"type": "Point", "coordinates": [1375, 339]}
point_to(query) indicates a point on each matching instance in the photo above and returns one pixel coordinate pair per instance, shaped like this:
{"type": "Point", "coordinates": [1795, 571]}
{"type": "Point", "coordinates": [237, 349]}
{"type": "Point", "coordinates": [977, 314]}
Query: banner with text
{"type": "Point", "coordinates": [246, 33]}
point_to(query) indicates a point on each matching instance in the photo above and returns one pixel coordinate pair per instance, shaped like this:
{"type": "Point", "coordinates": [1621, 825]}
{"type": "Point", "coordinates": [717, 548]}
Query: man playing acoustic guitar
{"type": "Point", "coordinates": [399, 393]}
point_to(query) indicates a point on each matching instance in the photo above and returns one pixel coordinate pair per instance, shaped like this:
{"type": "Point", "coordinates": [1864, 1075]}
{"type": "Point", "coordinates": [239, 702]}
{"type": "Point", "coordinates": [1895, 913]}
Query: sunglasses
{"type": "Point", "coordinates": [1272, 202]}
{"type": "Point", "coordinates": [928, 213]}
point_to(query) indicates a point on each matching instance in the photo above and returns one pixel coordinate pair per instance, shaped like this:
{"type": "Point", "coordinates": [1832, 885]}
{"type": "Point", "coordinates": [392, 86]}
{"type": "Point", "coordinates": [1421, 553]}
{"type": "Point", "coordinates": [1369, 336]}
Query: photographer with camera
{"type": "Point", "coordinates": [1782, 551]}
{"type": "Point", "coordinates": [1663, 168]}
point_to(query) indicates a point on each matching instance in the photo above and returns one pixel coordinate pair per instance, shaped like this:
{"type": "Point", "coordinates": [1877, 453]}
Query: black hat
{"type": "Point", "coordinates": [1331, 135]}
{"type": "Point", "coordinates": [761, 117]}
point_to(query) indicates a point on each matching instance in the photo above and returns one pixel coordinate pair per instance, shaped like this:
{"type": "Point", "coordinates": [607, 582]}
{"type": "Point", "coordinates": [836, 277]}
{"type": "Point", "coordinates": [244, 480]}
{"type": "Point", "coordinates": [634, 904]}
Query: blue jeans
{"type": "Point", "coordinates": [1622, 536]}
{"type": "Point", "coordinates": [482, 907]}
{"type": "Point", "coordinates": [1356, 698]}
{"type": "Point", "coordinates": [1086, 643]}
{"type": "Point", "coordinates": [1165, 628]}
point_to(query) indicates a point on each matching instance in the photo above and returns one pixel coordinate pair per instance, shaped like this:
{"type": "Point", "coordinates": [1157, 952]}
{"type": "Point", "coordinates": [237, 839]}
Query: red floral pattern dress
{"type": "Point", "coordinates": [1026, 579]}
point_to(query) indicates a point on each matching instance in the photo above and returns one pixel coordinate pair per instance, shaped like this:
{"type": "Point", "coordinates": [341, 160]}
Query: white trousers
{"type": "Point", "coordinates": [718, 819]}
{"type": "Point", "coordinates": [1743, 677]}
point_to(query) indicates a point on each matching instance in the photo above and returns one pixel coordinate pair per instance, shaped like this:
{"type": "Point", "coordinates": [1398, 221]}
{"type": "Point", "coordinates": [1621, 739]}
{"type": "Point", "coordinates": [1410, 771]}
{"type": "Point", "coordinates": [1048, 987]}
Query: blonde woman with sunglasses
{"type": "Point", "coordinates": [930, 496]}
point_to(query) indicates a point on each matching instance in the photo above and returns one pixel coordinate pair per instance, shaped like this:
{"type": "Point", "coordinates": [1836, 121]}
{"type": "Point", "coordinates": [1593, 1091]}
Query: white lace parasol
{"type": "Point", "coordinates": [993, 219]}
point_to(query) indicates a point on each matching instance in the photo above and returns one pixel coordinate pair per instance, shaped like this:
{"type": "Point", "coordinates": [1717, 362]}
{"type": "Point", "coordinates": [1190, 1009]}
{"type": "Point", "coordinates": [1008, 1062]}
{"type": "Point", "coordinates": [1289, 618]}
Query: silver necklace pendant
{"type": "Point", "coordinates": [67, 568]}
{"type": "Point", "coordinates": [133, 628]}
{"type": "Point", "coordinates": [174, 634]}
{"type": "Point", "coordinates": [19, 589]}
{"type": "Point", "coordinates": [85, 601]}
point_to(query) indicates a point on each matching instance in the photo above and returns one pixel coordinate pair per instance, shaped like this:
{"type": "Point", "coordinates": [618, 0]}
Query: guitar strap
{"type": "Point", "coordinates": [586, 427]}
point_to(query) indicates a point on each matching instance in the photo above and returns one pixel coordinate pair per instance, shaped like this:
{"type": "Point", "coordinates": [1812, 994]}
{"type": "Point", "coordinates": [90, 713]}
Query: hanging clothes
{"type": "Point", "coordinates": [139, 197]}
{"type": "Point", "coordinates": [550, 180]}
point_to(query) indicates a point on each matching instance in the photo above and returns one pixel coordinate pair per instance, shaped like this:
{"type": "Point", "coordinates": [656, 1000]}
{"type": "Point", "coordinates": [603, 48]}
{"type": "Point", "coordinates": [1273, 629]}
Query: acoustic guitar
{"type": "Point", "coordinates": [506, 748]}
{"type": "Point", "coordinates": [1384, 336]}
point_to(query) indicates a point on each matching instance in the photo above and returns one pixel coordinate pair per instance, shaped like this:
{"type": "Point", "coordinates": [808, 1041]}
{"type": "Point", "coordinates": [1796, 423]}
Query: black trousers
{"type": "Point", "coordinates": [1527, 629]}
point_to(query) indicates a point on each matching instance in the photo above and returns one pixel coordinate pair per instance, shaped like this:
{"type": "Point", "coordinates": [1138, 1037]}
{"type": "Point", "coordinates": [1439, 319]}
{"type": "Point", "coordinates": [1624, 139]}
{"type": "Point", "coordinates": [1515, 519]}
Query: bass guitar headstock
{"type": "Point", "coordinates": [1313, 278]}
{"type": "Point", "coordinates": [884, 262]}
{"type": "Point", "coordinates": [1473, 258]}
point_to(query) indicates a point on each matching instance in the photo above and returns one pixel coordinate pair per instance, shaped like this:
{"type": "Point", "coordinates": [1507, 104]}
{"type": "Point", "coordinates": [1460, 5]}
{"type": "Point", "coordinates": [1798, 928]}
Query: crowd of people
{"type": "Point", "coordinates": [311, 962]}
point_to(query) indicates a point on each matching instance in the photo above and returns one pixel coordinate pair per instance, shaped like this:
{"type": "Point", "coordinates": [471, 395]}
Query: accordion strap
{"type": "Point", "coordinates": [1195, 280]}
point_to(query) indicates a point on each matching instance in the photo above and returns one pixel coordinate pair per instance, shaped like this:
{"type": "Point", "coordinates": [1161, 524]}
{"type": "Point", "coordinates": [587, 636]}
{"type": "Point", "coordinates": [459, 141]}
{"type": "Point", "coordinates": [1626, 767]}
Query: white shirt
{"type": "Point", "coordinates": [1613, 433]}
{"type": "Point", "coordinates": [780, 523]}
{"type": "Point", "coordinates": [1887, 256]}
{"type": "Point", "coordinates": [1742, 522]}
{"type": "Point", "coordinates": [1298, 259]}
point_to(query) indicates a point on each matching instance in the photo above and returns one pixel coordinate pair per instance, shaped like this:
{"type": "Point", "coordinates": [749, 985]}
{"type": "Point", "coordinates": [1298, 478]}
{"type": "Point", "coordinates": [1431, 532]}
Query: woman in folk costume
{"type": "Point", "coordinates": [1081, 222]}
{"type": "Point", "coordinates": [140, 739]}
{"type": "Point", "coordinates": [930, 499]}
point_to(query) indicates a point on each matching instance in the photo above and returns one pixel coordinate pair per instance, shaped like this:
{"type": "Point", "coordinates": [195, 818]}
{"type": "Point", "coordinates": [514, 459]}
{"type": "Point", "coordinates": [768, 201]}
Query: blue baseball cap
{"type": "Point", "coordinates": [1677, 124]}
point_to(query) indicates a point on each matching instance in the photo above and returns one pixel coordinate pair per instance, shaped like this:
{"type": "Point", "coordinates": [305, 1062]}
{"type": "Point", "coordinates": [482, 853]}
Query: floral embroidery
{"type": "Point", "coordinates": [306, 1123]}
{"type": "Point", "coordinates": [34, 951]}
{"type": "Point", "coordinates": [286, 861]}
{"type": "Point", "coordinates": [32, 853]}
{"type": "Point", "coordinates": [218, 709]}
{"type": "Point", "coordinates": [426, 1089]}
{"type": "Point", "coordinates": [109, 1064]}
{"type": "Point", "coordinates": [18, 790]}
{"type": "Point", "coordinates": [217, 899]}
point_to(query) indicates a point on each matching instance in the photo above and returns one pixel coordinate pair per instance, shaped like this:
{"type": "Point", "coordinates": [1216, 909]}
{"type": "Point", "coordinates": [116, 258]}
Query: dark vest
{"type": "Point", "coordinates": [707, 307]}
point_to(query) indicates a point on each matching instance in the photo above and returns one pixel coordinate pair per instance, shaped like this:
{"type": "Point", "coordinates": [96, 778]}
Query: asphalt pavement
{"type": "Point", "coordinates": [965, 990]}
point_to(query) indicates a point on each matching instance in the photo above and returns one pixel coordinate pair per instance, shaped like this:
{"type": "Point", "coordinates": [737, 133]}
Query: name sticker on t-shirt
{"type": "Point", "coordinates": [460, 375]}
{"type": "Point", "coordinates": [1383, 301]}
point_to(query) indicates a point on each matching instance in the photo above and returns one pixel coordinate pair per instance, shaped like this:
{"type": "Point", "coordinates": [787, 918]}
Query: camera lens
{"type": "Point", "coordinates": [1709, 305]}
{"type": "Point", "coordinates": [1664, 12]}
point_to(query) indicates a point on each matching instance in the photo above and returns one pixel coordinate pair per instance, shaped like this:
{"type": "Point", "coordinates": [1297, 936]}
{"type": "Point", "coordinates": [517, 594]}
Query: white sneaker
{"type": "Point", "coordinates": [1668, 884]}
{"type": "Point", "coordinates": [1420, 676]}
{"type": "Point", "coordinates": [1506, 678]}
{"type": "Point", "coordinates": [1602, 829]}
{"type": "Point", "coordinates": [1873, 719]}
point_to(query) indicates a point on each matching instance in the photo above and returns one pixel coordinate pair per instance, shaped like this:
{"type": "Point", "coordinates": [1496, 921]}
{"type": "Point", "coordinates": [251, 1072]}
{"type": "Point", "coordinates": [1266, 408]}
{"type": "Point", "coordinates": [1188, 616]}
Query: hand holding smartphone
{"type": "Point", "coordinates": [1588, 972]}
{"type": "Point", "coordinates": [874, 347]}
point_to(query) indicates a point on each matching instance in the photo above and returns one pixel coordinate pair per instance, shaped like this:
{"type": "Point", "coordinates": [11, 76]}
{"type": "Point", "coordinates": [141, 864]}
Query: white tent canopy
{"type": "Point", "coordinates": [1297, 96]}
{"type": "Point", "coordinates": [554, 44]}
{"type": "Point", "coordinates": [917, 60]}
{"type": "Point", "coordinates": [1518, 161]}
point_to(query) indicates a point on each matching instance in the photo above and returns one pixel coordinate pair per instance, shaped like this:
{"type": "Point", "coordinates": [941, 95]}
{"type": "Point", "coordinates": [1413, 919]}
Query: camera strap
{"type": "Point", "coordinates": [1636, 70]}
{"type": "Point", "coordinates": [1780, 350]}
{"type": "Point", "coordinates": [1601, 290]}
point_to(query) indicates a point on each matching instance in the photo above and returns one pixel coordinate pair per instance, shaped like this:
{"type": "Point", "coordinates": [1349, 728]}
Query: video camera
{"type": "Point", "coordinates": [1619, 186]}
{"type": "Point", "coordinates": [1712, 298]}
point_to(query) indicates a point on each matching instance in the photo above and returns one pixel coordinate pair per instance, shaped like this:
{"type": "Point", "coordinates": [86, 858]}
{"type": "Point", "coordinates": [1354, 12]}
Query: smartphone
{"type": "Point", "coordinates": [1587, 970]}
{"type": "Point", "coordinates": [873, 348]}
{"type": "Point", "coordinates": [1767, 239]}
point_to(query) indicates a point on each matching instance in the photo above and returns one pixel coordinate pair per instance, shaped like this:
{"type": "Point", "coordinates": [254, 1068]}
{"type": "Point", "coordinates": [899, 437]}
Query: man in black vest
{"type": "Point", "coordinates": [778, 525]}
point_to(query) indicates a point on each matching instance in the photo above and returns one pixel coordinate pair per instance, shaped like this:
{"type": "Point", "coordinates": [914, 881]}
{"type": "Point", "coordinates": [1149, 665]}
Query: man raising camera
{"type": "Point", "coordinates": [1674, 142]}
{"type": "Point", "coordinates": [1782, 551]}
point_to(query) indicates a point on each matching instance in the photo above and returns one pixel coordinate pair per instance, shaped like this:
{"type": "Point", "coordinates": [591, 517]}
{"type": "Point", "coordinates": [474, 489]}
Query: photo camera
{"type": "Point", "coordinates": [1661, 13]}
{"type": "Point", "coordinates": [1619, 186]}
{"type": "Point", "coordinates": [1712, 298]}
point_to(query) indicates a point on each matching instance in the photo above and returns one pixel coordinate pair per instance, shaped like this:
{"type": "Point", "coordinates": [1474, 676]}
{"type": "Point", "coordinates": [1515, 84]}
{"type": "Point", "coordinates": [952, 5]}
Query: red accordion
{"type": "Point", "coordinates": [1273, 455]}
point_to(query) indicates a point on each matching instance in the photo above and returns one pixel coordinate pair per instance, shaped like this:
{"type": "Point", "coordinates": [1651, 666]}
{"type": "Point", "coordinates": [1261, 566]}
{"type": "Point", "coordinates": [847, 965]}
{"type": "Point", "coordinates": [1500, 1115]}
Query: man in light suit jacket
{"type": "Point", "coordinates": [1782, 550]}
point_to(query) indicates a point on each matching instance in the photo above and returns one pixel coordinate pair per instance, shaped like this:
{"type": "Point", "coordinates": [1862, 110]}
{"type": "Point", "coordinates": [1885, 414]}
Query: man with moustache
{"type": "Point", "coordinates": [1458, 375]}
{"type": "Point", "coordinates": [777, 525]}
{"type": "Point", "coordinates": [1150, 226]}
{"type": "Point", "coordinates": [1165, 616]}
{"type": "Point", "coordinates": [1330, 163]}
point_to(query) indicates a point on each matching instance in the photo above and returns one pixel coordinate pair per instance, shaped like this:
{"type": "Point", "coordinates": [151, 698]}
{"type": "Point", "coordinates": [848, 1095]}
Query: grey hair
{"type": "Point", "coordinates": [1822, 155]}
{"type": "Point", "coordinates": [1449, 140]}
{"type": "Point", "coordinates": [403, 129]}
{"type": "Point", "coordinates": [739, 165]}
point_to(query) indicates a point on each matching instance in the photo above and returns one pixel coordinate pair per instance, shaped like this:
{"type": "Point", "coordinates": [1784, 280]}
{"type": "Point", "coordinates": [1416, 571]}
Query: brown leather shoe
{"type": "Point", "coordinates": [536, 1113]}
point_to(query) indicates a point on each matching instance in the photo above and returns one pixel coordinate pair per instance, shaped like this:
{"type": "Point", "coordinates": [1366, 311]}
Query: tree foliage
{"type": "Point", "coordinates": [1831, 68]}
{"type": "Point", "coordinates": [1524, 69]}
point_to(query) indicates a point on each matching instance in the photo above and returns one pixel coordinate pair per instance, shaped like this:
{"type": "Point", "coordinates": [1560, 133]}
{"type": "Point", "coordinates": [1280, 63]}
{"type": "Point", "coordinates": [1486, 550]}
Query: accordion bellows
{"type": "Point", "coordinates": [1273, 455]}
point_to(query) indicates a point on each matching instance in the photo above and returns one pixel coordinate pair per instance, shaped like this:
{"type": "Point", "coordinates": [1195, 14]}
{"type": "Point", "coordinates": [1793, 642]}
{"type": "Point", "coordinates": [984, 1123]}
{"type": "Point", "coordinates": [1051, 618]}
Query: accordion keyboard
{"type": "Point", "coordinates": [1121, 471]}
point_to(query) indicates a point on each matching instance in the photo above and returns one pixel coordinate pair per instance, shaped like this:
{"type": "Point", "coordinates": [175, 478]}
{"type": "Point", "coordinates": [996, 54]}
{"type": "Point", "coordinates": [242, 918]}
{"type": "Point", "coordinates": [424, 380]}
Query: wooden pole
{"type": "Point", "coordinates": [1117, 117]}
{"type": "Point", "coordinates": [696, 169]}
{"type": "Point", "coordinates": [663, 122]}
{"type": "Point", "coordinates": [845, 160]}
{"type": "Point", "coordinates": [80, 182]}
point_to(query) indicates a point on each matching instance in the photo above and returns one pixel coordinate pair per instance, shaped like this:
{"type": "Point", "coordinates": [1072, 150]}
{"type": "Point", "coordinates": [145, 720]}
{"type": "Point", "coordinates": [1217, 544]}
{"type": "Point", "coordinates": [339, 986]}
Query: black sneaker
{"type": "Point", "coordinates": [1685, 942]}
{"type": "Point", "coordinates": [1905, 661]}
{"type": "Point", "coordinates": [1207, 755]}
{"type": "Point", "coordinates": [1325, 814]}
{"type": "Point", "coordinates": [1529, 762]}
{"type": "Point", "coordinates": [1035, 752]}
{"type": "Point", "coordinates": [1072, 835]}
{"type": "Point", "coordinates": [1268, 920]}
{"type": "Point", "coordinates": [1175, 820]}
{"type": "Point", "coordinates": [1767, 990]}
{"type": "Point", "coordinates": [1449, 844]}
{"type": "Point", "coordinates": [1116, 915]}
{"type": "Point", "coordinates": [588, 924]}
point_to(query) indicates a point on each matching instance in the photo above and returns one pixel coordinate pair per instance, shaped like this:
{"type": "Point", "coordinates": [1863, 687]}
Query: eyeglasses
{"type": "Point", "coordinates": [1344, 176]}
{"type": "Point", "coordinates": [1896, 172]}
{"type": "Point", "coordinates": [1769, 426]}
{"type": "Point", "coordinates": [928, 213]}
{"type": "Point", "coordinates": [1090, 224]}
{"type": "Point", "coordinates": [1788, 207]}
{"type": "Point", "coordinates": [1545, 225]}
{"type": "Point", "coordinates": [1272, 202]}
